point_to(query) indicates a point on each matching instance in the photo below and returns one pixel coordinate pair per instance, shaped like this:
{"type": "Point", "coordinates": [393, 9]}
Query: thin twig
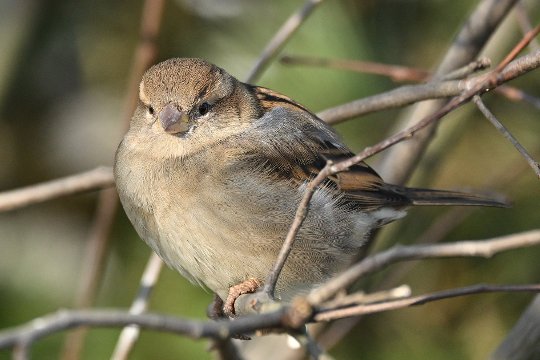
{"type": "Point", "coordinates": [522, 44]}
{"type": "Point", "coordinates": [480, 248]}
{"type": "Point", "coordinates": [363, 309]}
{"type": "Point", "coordinates": [395, 72]}
{"type": "Point", "coordinates": [21, 351]}
{"type": "Point", "coordinates": [281, 37]}
{"type": "Point", "coordinates": [472, 67]}
{"type": "Point", "coordinates": [98, 178]}
{"type": "Point", "coordinates": [130, 334]}
{"type": "Point", "coordinates": [504, 131]}
{"type": "Point", "coordinates": [145, 55]}
{"type": "Point", "coordinates": [400, 292]}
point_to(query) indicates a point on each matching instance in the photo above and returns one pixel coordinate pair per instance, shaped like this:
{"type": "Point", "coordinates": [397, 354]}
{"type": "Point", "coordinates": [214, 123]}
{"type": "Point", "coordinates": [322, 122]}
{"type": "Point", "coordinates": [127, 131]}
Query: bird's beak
{"type": "Point", "coordinates": [174, 121]}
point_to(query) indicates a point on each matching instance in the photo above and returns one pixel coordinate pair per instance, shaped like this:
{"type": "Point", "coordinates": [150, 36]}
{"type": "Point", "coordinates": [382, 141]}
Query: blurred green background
{"type": "Point", "coordinates": [64, 67]}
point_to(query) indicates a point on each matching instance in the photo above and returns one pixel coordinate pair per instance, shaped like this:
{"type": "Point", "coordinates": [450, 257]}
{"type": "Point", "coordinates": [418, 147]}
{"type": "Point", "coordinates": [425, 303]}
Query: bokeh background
{"type": "Point", "coordinates": [64, 69]}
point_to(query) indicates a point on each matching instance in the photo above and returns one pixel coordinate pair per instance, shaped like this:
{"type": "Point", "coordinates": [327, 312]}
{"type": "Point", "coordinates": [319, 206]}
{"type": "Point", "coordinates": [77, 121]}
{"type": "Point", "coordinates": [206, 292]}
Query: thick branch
{"type": "Point", "coordinates": [67, 319]}
{"type": "Point", "coordinates": [24, 335]}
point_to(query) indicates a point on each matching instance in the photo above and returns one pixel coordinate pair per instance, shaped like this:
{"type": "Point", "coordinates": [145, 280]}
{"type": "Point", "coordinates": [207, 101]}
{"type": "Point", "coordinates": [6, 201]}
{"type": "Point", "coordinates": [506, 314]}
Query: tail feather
{"type": "Point", "coordinates": [444, 197]}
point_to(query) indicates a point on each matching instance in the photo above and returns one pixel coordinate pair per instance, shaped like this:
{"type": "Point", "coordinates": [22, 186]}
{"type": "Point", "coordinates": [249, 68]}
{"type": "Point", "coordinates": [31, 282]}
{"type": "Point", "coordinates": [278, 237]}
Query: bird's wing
{"type": "Point", "coordinates": [294, 144]}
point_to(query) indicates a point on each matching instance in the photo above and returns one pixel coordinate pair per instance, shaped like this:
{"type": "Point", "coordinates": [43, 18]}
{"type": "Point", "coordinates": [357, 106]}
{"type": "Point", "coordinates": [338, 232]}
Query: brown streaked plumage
{"type": "Point", "coordinates": [211, 171]}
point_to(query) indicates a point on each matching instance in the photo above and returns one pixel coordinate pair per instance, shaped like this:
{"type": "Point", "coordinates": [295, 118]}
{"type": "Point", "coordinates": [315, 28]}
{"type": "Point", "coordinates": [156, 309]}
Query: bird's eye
{"type": "Point", "coordinates": [204, 108]}
{"type": "Point", "coordinates": [150, 110]}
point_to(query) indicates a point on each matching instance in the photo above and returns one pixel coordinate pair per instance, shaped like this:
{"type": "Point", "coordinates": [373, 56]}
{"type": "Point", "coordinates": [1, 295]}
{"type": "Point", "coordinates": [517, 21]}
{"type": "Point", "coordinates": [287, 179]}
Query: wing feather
{"type": "Point", "coordinates": [295, 145]}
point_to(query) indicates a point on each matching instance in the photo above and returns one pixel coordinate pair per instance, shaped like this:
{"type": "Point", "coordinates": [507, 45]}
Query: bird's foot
{"type": "Point", "coordinates": [249, 286]}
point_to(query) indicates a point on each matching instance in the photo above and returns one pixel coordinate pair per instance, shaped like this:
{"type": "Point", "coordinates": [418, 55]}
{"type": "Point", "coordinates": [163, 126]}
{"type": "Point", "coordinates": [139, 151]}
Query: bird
{"type": "Point", "coordinates": [211, 171]}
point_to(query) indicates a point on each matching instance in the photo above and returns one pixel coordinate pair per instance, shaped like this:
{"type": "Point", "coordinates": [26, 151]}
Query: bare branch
{"type": "Point", "coordinates": [67, 319]}
{"type": "Point", "coordinates": [356, 298]}
{"type": "Point", "coordinates": [23, 336]}
{"type": "Point", "coordinates": [502, 129]}
{"type": "Point", "coordinates": [527, 38]}
{"type": "Point", "coordinates": [399, 97]}
{"type": "Point", "coordinates": [98, 178]}
{"type": "Point", "coordinates": [406, 95]}
{"type": "Point", "coordinates": [481, 248]}
{"type": "Point", "coordinates": [464, 71]}
{"type": "Point", "coordinates": [93, 266]}
{"type": "Point", "coordinates": [279, 40]}
{"type": "Point", "coordinates": [363, 309]}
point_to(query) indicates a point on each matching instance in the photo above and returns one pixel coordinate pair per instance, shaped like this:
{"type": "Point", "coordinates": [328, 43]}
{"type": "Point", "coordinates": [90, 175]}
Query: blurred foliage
{"type": "Point", "coordinates": [64, 67]}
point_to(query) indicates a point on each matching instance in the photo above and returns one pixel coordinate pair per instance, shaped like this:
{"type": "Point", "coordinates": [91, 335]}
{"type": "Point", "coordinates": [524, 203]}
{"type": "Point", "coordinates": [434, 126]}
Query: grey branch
{"type": "Point", "coordinates": [287, 317]}
{"type": "Point", "coordinates": [98, 178]}
{"type": "Point", "coordinates": [482, 248]}
{"type": "Point", "coordinates": [67, 319]}
{"type": "Point", "coordinates": [399, 97]}
{"type": "Point", "coordinates": [362, 309]}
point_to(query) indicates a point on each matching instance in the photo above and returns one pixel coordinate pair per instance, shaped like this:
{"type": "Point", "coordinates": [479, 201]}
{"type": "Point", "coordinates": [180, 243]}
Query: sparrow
{"type": "Point", "coordinates": [211, 171]}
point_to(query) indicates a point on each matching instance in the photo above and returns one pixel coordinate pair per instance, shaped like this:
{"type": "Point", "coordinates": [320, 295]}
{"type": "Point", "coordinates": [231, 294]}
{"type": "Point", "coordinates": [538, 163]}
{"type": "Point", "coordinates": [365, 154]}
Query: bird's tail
{"type": "Point", "coordinates": [444, 197]}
